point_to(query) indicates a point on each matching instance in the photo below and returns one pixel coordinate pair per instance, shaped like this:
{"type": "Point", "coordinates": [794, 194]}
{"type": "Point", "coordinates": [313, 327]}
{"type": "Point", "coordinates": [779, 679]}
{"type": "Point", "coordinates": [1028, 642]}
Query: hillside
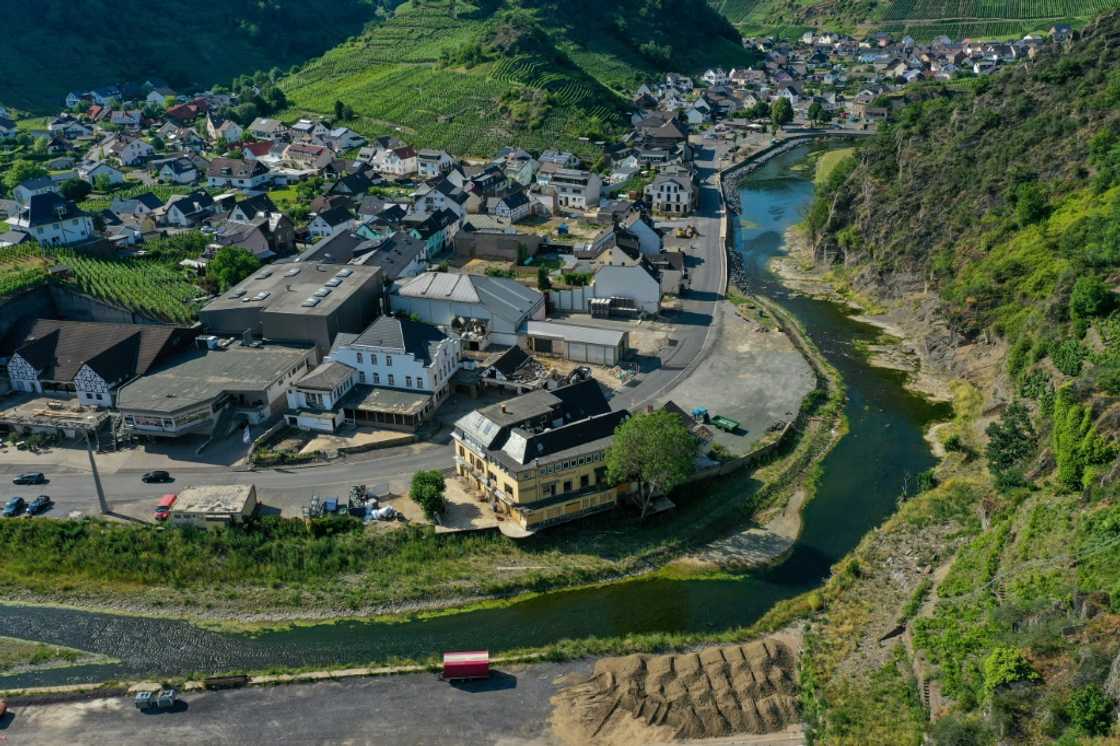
{"type": "Point", "coordinates": [985, 223]}
{"type": "Point", "coordinates": [923, 19]}
{"type": "Point", "coordinates": [471, 78]}
{"type": "Point", "coordinates": [60, 45]}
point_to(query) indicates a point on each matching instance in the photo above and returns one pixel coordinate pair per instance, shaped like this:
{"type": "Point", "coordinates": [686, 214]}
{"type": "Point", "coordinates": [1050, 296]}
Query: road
{"type": "Point", "coordinates": [511, 710]}
{"type": "Point", "coordinates": [72, 489]}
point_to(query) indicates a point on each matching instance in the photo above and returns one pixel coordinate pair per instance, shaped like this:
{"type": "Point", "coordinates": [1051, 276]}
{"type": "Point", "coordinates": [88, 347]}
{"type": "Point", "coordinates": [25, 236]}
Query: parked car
{"type": "Point", "coordinates": [163, 507]}
{"type": "Point", "coordinates": [30, 477]}
{"type": "Point", "coordinates": [156, 476]}
{"type": "Point", "coordinates": [14, 507]}
{"type": "Point", "coordinates": [40, 504]}
{"type": "Point", "coordinates": [164, 699]}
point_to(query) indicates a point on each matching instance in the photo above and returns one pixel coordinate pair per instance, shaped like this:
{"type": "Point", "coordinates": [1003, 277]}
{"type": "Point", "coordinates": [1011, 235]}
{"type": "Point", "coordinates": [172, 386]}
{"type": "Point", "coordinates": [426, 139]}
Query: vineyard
{"type": "Point", "coordinates": [96, 202]}
{"type": "Point", "coordinates": [903, 10]}
{"type": "Point", "coordinates": [21, 268]}
{"type": "Point", "coordinates": [150, 288]}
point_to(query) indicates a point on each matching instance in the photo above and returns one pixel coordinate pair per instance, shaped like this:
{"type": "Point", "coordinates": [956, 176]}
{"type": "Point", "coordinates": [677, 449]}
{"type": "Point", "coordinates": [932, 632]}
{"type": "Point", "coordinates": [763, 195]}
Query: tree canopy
{"type": "Point", "coordinates": [427, 491]}
{"type": "Point", "coordinates": [231, 265]}
{"type": "Point", "coordinates": [655, 450]}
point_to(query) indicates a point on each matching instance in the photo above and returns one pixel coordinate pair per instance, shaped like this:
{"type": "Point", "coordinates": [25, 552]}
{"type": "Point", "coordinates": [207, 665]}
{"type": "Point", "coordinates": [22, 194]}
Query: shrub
{"type": "Point", "coordinates": [1005, 666]}
{"type": "Point", "coordinates": [1090, 710]}
{"type": "Point", "coordinates": [427, 491]}
{"type": "Point", "coordinates": [1090, 297]}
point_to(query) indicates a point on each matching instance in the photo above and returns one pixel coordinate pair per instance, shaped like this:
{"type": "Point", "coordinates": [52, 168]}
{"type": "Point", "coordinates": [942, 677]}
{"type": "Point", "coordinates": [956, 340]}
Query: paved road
{"type": "Point", "coordinates": [73, 489]}
{"type": "Point", "coordinates": [511, 710]}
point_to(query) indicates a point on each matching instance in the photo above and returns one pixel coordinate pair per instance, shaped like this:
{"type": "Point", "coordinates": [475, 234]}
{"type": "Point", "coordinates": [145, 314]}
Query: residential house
{"type": "Point", "coordinates": [575, 189]}
{"type": "Point", "coordinates": [715, 76]}
{"type": "Point", "coordinates": [129, 151]}
{"type": "Point", "coordinates": [329, 222]}
{"type": "Point", "coordinates": [180, 170]}
{"type": "Point", "coordinates": [396, 162]}
{"type": "Point", "coordinates": [267, 129]}
{"type": "Point", "coordinates": [236, 172]}
{"type": "Point", "coordinates": [314, 401]}
{"type": "Point", "coordinates": [314, 157]}
{"type": "Point", "coordinates": [637, 283]}
{"type": "Point", "coordinates": [143, 204]}
{"type": "Point", "coordinates": [188, 210]}
{"type": "Point", "coordinates": [222, 130]}
{"type": "Point", "coordinates": [25, 190]}
{"type": "Point", "coordinates": [672, 194]}
{"type": "Point", "coordinates": [512, 208]}
{"type": "Point", "coordinates": [52, 220]}
{"type": "Point", "coordinates": [127, 119]}
{"type": "Point", "coordinates": [91, 171]}
{"type": "Point", "coordinates": [343, 138]}
{"type": "Point", "coordinates": [433, 163]}
{"type": "Point", "coordinates": [560, 158]}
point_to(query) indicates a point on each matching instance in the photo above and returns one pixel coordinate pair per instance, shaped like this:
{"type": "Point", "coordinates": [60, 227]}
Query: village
{"type": "Point", "coordinates": [496, 319]}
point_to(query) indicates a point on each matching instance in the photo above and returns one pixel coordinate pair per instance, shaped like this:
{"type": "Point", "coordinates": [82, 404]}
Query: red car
{"type": "Point", "coordinates": [163, 508]}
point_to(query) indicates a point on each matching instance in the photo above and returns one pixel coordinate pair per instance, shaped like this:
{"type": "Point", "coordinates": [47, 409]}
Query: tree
{"type": "Point", "coordinates": [339, 109]}
{"type": "Point", "coordinates": [1011, 441]}
{"type": "Point", "coordinates": [1030, 204]}
{"type": "Point", "coordinates": [543, 283]}
{"type": "Point", "coordinates": [816, 112]}
{"type": "Point", "coordinates": [760, 110]}
{"type": "Point", "coordinates": [103, 183]}
{"type": "Point", "coordinates": [20, 171]}
{"type": "Point", "coordinates": [231, 265]}
{"type": "Point", "coordinates": [1005, 666]}
{"type": "Point", "coordinates": [75, 189]}
{"type": "Point", "coordinates": [427, 491]}
{"type": "Point", "coordinates": [781, 113]}
{"type": "Point", "coordinates": [655, 450]}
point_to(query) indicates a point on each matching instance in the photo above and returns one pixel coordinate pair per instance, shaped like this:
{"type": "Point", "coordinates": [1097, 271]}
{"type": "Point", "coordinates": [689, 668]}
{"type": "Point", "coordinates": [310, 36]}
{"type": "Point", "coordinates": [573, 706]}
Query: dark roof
{"type": "Point", "coordinates": [260, 203]}
{"type": "Point", "coordinates": [417, 339]}
{"type": "Point", "coordinates": [326, 377]}
{"type": "Point", "coordinates": [50, 207]}
{"type": "Point", "coordinates": [335, 216]}
{"type": "Point", "coordinates": [58, 349]}
{"type": "Point", "coordinates": [515, 200]}
{"type": "Point", "coordinates": [337, 249]}
{"type": "Point", "coordinates": [195, 202]}
{"type": "Point", "coordinates": [235, 168]}
{"type": "Point", "coordinates": [574, 435]}
{"type": "Point", "coordinates": [394, 254]}
{"type": "Point", "coordinates": [149, 200]}
{"type": "Point", "coordinates": [510, 361]}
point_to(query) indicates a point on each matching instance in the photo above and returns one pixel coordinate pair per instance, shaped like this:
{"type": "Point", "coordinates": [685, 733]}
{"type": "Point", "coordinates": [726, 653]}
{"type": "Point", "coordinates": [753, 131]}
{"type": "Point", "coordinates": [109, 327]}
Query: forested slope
{"type": "Point", "coordinates": [986, 221]}
{"type": "Point", "coordinates": [53, 46]}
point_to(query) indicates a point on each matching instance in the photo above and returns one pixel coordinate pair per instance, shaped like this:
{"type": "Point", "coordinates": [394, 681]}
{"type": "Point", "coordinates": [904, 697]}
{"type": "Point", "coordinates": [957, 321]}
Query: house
{"type": "Point", "coordinates": [306, 129]}
{"type": "Point", "coordinates": [649, 240]}
{"type": "Point", "coordinates": [482, 310]}
{"type": "Point", "coordinates": [402, 354]}
{"type": "Point", "coordinates": [559, 158]}
{"type": "Point", "coordinates": [69, 127]}
{"type": "Point", "coordinates": [329, 222]}
{"type": "Point", "coordinates": [90, 359]}
{"type": "Point", "coordinates": [513, 207]}
{"type": "Point", "coordinates": [484, 237]}
{"type": "Point", "coordinates": [433, 163]}
{"type": "Point", "coordinates": [129, 151]}
{"type": "Point", "coordinates": [248, 236]}
{"type": "Point", "coordinates": [250, 208]}
{"type": "Point", "coordinates": [305, 155]}
{"type": "Point", "coordinates": [672, 194]}
{"type": "Point", "coordinates": [637, 284]}
{"type": "Point", "coordinates": [715, 76]}
{"type": "Point", "coordinates": [314, 401]}
{"type": "Point", "coordinates": [25, 190]}
{"type": "Point", "coordinates": [266, 129]}
{"type": "Point", "coordinates": [214, 505]}
{"type": "Point", "coordinates": [188, 210]}
{"type": "Point", "coordinates": [128, 119]}
{"type": "Point", "coordinates": [53, 220]}
{"type": "Point", "coordinates": [396, 162]}
{"type": "Point", "coordinates": [222, 130]}
{"type": "Point", "coordinates": [540, 458]}
{"type": "Point", "coordinates": [399, 255]}
{"type": "Point", "coordinates": [206, 391]}
{"type": "Point", "coordinates": [179, 170]}
{"type": "Point", "coordinates": [158, 95]}
{"type": "Point", "coordinates": [255, 151]}
{"type": "Point", "coordinates": [91, 171]}
{"type": "Point", "coordinates": [143, 204]}
{"type": "Point", "coordinates": [343, 138]}
{"type": "Point", "coordinates": [236, 172]}
{"type": "Point", "coordinates": [298, 303]}
{"type": "Point", "coordinates": [575, 189]}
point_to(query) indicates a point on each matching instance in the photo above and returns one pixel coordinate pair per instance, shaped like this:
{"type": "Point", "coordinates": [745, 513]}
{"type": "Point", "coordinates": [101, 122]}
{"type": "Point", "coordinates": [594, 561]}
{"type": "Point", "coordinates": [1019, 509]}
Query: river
{"type": "Point", "coordinates": [859, 485]}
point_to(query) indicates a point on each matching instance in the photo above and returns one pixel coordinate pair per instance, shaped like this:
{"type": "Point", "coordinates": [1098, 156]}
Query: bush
{"type": "Point", "coordinates": [1090, 297]}
{"type": "Point", "coordinates": [1005, 666]}
{"type": "Point", "coordinates": [1090, 710]}
{"type": "Point", "coordinates": [953, 730]}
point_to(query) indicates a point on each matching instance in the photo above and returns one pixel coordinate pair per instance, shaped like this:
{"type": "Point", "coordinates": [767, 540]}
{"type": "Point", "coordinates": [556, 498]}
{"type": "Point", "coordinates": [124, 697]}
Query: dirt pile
{"type": "Point", "coordinates": [717, 692]}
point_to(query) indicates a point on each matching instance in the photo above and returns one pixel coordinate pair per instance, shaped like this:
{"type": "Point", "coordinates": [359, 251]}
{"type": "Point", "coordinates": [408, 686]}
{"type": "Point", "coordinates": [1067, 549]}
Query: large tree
{"type": "Point", "coordinates": [231, 265]}
{"type": "Point", "coordinates": [781, 113]}
{"type": "Point", "coordinates": [654, 449]}
{"type": "Point", "coordinates": [427, 491]}
{"type": "Point", "coordinates": [20, 171]}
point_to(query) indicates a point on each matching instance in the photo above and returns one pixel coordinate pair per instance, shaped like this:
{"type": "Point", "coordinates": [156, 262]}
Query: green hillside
{"type": "Point", "coordinates": [919, 18]}
{"type": "Point", "coordinates": [61, 45]}
{"type": "Point", "coordinates": [995, 210]}
{"type": "Point", "coordinates": [540, 73]}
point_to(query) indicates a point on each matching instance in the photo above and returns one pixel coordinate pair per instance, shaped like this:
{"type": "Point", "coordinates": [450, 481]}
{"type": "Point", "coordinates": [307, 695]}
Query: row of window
{"type": "Point", "coordinates": [392, 380]}
{"type": "Point", "coordinates": [592, 458]}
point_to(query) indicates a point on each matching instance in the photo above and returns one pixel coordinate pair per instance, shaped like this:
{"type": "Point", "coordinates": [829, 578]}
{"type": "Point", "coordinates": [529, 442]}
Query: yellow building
{"type": "Point", "coordinates": [540, 458]}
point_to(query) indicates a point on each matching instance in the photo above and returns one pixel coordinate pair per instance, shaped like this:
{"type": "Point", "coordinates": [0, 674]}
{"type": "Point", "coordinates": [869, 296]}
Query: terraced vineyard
{"type": "Point", "coordinates": [146, 287]}
{"type": "Point", "coordinates": [902, 10]}
{"type": "Point", "coordinates": [21, 268]}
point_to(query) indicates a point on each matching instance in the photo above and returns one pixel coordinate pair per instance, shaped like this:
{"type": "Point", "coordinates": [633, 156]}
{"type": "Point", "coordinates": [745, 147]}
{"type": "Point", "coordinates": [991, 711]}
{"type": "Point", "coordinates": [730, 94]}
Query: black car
{"type": "Point", "coordinates": [14, 507]}
{"type": "Point", "coordinates": [30, 477]}
{"type": "Point", "coordinates": [40, 504]}
{"type": "Point", "coordinates": [156, 476]}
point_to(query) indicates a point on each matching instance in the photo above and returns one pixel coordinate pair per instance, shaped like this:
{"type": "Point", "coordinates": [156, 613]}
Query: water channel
{"type": "Point", "coordinates": [860, 482]}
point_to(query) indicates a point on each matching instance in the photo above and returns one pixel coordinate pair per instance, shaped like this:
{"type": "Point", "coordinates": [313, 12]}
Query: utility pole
{"type": "Point", "coordinates": [96, 477]}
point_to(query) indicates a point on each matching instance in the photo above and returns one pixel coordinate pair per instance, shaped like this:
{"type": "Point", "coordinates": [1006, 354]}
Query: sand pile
{"type": "Point", "coordinates": [717, 692]}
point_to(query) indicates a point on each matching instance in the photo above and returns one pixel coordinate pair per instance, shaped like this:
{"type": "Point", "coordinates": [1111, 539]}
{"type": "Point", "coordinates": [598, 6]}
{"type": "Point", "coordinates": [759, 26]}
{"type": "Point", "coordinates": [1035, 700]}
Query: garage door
{"type": "Point", "coordinates": [577, 351]}
{"type": "Point", "coordinates": [597, 354]}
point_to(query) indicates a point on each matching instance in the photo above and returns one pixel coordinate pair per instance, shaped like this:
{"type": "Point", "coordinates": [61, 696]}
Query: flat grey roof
{"type": "Point", "coordinates": [370, 399]}
{"type": "Point", "coordinates": [289, 288]}
{"type": "Point", "coordinates": [201, 376]}
{"type": "Point", "coordinates": [326, 377]}
{"type": "Point", "coordinates": [575, 333]}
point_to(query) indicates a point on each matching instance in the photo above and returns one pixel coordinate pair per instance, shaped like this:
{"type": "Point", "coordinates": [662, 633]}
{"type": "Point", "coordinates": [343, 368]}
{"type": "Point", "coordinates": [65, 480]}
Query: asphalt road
{"type": "Point", "coordinates": [288, 488]}
{"type": "Point", "coordinates": [512, 709]}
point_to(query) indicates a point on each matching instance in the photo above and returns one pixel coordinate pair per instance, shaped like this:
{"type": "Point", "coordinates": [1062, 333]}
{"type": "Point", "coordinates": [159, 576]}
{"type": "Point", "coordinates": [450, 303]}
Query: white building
{"type": "Point", "coordinates": [52, 220]}
{"type": "Point", "coordinates": [575, 189]}
{"type": "Point", "coordinates": [672, 194]}
{"type": "Point", "coordinates": [433, 163]}
{"type": "Point", "coordinates": [314, 400]}
{"type": "Point", "coordinates": [214, 504]}
{"type": "Point", "coordinates": [634, 283]}
{"type": "Point", "coordinates": [236, 172]}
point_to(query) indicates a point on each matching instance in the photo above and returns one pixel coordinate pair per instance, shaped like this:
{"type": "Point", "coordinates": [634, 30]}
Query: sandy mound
{"type": "Point", "coordinates": [716, 692]}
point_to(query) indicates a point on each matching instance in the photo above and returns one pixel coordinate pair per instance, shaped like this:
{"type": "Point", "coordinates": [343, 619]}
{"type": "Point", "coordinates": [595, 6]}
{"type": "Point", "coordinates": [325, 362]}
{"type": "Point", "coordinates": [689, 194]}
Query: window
{"type": "Point", "coordinates": [376, 378]}
{"type": "Point", "coordinates": [408, 382]}
{"type": "Point", "coordinates": [391, 381]}
{"type": "Point", "coordinates": [419, 382]}
{"type": "Point", "coordinates": [360, 357]}
{"type": "Point", "coordinates": [362, 376]}
{"type": "Point", "coordinates": [372, 359]}
{"type": "Point", "coordinates": [568, 486]}
{"type": "Point", "coordinates": [388, 361]}
{"type": "Point", "coordinates": [584, 481]}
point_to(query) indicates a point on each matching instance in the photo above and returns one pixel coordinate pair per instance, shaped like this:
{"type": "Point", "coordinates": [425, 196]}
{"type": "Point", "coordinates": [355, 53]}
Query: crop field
{"type": "Point", "coordinates": [21, 267]}
{"type": "Point", "coordinates": [144, 286]}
